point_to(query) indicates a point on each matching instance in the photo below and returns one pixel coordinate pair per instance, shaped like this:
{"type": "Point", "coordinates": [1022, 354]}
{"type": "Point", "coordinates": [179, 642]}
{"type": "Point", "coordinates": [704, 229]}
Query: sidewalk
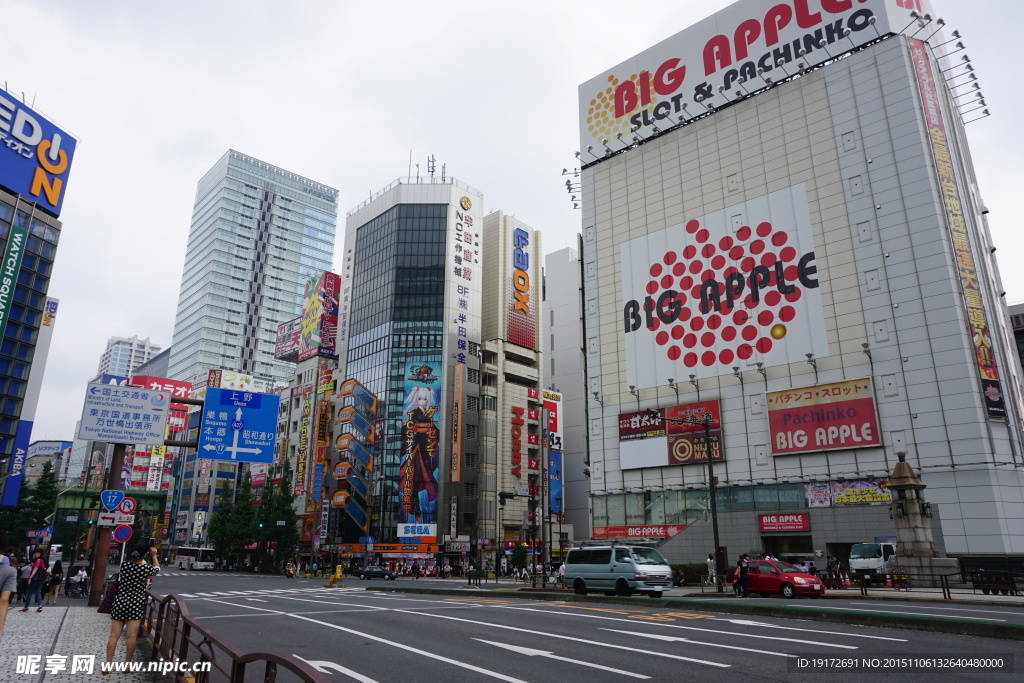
{"type": "Point", "coordinates": [71, 628]}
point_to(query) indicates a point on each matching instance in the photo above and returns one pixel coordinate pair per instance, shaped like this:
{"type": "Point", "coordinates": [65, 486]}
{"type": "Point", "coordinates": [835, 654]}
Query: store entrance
{"type": "Point", "coordinates": [792, 549]}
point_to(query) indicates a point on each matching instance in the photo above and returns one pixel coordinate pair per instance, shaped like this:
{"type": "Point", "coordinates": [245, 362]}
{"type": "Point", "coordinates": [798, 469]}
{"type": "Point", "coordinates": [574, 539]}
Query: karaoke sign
{"type": "Point", "coordinates": [733, 288]}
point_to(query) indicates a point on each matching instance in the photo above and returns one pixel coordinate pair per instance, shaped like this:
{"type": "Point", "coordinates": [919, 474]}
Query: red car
{"type": "Point", "coordinates": [768, 577]}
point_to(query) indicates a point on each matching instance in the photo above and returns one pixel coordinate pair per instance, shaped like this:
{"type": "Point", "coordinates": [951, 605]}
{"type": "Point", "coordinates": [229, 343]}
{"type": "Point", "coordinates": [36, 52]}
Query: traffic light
{"type": "Point", "coordinates": [261, 525]}
{"type": "Point", "coordinates": [90, 522]}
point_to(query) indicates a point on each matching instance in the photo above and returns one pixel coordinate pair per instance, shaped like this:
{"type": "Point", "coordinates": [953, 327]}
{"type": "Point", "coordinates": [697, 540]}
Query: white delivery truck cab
{"type": "Point", "coordinates": [872, 562]}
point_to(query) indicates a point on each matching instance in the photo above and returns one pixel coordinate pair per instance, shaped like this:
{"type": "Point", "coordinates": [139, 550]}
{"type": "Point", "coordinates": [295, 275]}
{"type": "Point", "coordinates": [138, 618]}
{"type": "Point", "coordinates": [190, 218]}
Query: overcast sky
{"type": "Point", "coordinates": [341, 92]}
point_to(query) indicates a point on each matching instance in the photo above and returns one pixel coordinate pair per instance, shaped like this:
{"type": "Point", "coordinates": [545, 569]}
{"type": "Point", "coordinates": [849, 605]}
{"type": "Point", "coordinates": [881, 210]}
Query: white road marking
{"type": "Point", "coordinates": [325, 668]}
{"type": "Point", "coordinates": [530, 652]}
{"type": "Point", "coordinates": [688, 628]}
{"type": "Point", "coordinates": [255, 600]}
{"type": "Point", "coordinates": [185, 595]}
{"type": "Point", "coordinates": [951, 609]}
{"type": "Point", "coordinates": [744, 622]}
{"type": "Point", "coordinates": [564, 637]}
{"type": "Point", "coordinates": [661, 636]}
{"type": "Point", "coordinates": [362, 634]}
{"type": "Point", "coordinates": [913, 614]}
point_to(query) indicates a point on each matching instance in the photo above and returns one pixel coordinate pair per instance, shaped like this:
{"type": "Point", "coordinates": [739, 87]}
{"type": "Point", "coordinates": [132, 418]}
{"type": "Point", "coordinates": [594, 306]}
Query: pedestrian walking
{"type": "Point", "coordinates": [744, 582]}
{"type": "Point", "coordinates": [8, 585]}
{"type": "Point", "coordinates": [712, 569]}
{"type": "Point", "coordinates": [36, 581]}
{"type": "Point", "coordinates": [24, 571]}
{"type": "Point", "coordinates": [130, 599]}
{"type": "Point", "coordinates": [56, 579]}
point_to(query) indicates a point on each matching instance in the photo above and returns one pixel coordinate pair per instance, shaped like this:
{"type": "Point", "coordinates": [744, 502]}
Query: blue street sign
{"type": "Point", "coordinates": [111, 498]}
{"type": "Point", "coordinates": [47, 530]}
{"type": "Point", "coordinates": [239, 426]}
{"type": "Point", "coordinates": [122, 534]}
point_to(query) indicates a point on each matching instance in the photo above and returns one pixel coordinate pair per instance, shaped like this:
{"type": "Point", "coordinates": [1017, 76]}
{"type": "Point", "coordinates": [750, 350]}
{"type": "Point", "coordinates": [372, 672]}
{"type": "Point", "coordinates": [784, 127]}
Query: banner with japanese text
{"type": "Point", "coordinates": [826, 417]}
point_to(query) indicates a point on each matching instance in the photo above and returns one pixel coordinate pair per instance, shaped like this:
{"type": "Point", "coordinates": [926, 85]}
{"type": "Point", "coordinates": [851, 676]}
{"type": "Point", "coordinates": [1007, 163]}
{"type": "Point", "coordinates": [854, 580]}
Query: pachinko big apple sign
{"type": "Point", "coordinates": [732, 288]}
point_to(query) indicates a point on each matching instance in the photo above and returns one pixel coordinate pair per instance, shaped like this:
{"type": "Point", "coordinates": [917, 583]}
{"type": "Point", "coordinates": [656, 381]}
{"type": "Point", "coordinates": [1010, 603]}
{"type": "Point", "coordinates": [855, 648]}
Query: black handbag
{"type": "Point", "coordinates": [107, 603]}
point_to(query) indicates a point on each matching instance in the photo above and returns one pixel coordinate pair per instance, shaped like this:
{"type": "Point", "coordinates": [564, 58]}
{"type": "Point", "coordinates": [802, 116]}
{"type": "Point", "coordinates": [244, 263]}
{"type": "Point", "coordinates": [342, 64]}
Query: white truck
{"type": "Point", "coordinates": [872, 562]}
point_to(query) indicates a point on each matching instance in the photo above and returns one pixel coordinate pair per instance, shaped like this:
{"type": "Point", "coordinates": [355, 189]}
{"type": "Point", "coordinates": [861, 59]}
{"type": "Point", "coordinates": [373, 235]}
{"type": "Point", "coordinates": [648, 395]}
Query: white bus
{"type": "Point", "coordinates": [191, 557]}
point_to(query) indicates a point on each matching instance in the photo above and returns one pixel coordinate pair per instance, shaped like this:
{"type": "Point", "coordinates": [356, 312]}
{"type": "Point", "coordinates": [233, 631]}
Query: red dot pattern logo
{"type": "Point", "coordinates": [751, 323]}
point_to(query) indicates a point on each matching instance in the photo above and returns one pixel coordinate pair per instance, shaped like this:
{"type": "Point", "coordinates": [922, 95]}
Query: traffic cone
{"type": "Point", "coordinates": [888, 580]}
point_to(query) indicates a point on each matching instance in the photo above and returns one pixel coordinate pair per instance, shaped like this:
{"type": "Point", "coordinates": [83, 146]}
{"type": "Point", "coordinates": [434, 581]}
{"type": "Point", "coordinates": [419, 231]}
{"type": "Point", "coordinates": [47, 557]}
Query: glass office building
{"type": "Point", "coordinates": [412, 268]}
{"type": "Point", "coordinates": [26, 308]}
{"type": "Point", "coordinates": [258, 234]}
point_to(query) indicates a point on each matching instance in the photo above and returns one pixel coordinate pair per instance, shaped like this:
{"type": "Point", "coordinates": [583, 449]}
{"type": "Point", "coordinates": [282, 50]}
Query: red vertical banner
{"type": "Point", "coordinates": [952, 204]}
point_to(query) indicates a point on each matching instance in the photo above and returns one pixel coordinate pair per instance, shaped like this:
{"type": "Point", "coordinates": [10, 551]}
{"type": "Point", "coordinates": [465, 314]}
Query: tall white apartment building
{"type": "Point", "coordinates": [124, 355]}
{"type": "Point", "coordinates": [258, 234]}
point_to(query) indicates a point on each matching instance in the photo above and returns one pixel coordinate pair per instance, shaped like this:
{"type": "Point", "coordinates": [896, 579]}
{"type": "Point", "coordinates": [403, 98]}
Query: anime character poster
{"type": "Point", "coordinates": [418, 474]}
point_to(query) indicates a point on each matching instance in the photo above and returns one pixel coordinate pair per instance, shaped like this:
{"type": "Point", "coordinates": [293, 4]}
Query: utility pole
{"type": "Point", "coordinates": [705, 421]}
{"type": "Point", "coordinates": [103, 533]}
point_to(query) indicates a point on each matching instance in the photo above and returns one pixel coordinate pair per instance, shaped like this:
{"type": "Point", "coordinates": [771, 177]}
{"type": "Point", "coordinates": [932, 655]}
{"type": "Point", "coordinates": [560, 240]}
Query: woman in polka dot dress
{"type": "Point", "coordinates": [130, 601]}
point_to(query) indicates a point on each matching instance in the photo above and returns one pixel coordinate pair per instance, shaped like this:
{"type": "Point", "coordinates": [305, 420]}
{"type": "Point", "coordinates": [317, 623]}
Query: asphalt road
{"type": "Point", "coordinates": [354, 634]}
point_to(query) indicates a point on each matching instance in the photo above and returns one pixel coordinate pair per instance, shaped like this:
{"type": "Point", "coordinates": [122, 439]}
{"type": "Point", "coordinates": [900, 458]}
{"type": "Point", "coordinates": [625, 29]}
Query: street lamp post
{"type": "Point", "coordinates": [705, 421]}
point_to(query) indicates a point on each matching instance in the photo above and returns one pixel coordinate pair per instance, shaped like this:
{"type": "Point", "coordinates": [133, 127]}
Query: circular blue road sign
{"type": "Point", "coordinates": [122, 534]}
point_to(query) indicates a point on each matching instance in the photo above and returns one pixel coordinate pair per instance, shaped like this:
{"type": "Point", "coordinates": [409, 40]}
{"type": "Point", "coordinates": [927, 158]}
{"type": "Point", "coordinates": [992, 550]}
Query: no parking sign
{"type": "Point", "coordinates": [122, 534]}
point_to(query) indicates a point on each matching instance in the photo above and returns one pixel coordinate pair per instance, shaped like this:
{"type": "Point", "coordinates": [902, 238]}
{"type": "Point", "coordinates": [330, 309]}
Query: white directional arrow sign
{"type": "Point", "coordinates": [530, 652]}
{"type": "Point", "coordinates": [325, 667]}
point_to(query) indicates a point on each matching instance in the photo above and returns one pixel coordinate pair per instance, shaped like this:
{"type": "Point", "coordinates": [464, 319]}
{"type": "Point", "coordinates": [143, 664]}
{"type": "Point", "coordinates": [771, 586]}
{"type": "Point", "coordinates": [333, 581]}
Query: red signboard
{"type": "Point", "coordinates": [687, 435]}
{"type": "Point", "coordinates": [655, 531]}
{"type": "Point", "coordinates": [793, 521]}
{"type": "Point", "coordinates": [827, 417]}
{"type": "Point", "coordinates": [641, 424]}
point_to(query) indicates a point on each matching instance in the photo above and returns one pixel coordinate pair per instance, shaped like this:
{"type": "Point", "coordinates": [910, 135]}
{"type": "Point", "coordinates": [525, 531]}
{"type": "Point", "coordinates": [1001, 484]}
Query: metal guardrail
{"type": "Point", "coordinates": [176, 636]}
{"type": "Point", "coordinates": [949, 584]}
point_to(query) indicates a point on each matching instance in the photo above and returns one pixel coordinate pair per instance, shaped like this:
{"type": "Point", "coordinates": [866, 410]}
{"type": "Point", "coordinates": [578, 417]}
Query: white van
{"type": "Point", "coordinates": [872, 561]}
{"type": "Point", "coordinates": [617, 570]}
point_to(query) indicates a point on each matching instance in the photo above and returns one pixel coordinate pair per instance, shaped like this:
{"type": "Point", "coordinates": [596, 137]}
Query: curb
{"type": "Point", "coordinates": [914, 623]}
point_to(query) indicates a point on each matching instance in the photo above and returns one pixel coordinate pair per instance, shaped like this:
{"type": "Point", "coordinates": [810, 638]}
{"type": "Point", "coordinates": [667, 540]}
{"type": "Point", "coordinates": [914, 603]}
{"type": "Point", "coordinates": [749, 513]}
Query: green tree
{"type": "Point", "coordinates": [221, 526]}
{"type": "Point", "coordinates": [37, 505]}
{"type": "Point", "coordinates": [277, 504]}
{"type": "Point", "coordinates": [519, 555]}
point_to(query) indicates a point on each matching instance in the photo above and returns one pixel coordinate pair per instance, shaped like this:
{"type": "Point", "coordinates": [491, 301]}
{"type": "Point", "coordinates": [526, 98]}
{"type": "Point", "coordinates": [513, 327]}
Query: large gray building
{"type": "Point", "coordinates": [258, 234]}
{"type": "Point", "coordinates": [793, 242]}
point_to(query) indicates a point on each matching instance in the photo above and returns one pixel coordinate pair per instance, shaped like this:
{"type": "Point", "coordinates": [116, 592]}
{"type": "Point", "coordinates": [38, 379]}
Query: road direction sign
{"type": "Point", "coordinates": [122, 534]}
{"type": "Point", "coordinates": [115, 519]}
{"type": "Point", "coordinates": [36, 534]}
{"type": "Point", "coordinates": [111, 498]}
{"type": "Point", "coordinates": [127, 506]}
{"type": "Point", "coordinates": [124, 415]}
{"type": "Point", "coordinates": [239, 426]}
{"type": "Point", "coordinates": [72, 518]}
{"type": "Point", "coordinates": [47, 530]}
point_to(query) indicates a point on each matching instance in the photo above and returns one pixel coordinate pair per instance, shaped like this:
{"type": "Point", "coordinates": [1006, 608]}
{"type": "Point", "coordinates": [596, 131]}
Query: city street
{"type": "Point", "coordinates": [352, 633]}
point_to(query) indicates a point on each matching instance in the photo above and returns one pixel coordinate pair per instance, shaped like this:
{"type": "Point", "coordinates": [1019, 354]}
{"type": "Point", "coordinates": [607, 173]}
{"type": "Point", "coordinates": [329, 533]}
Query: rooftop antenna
{"type": "Point", "coordinates": [409, 172]}
{"type": "Point", "coordinates": [443, 166]}
{"type": "Point", "coordinates": [431, 166]}
{"type": "Point", "coordinates": [417, 171]}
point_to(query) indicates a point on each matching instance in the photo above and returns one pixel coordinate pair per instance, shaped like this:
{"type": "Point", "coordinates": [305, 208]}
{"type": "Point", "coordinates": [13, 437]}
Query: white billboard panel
{"type": "Point", "coordinates": [732, 288]}
{"type": "Point", "coordinates": [704, 64]}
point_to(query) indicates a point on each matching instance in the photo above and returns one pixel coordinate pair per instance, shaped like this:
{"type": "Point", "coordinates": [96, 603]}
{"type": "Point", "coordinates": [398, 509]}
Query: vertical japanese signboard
{"type": "Point", "coordinates": [953, 205]}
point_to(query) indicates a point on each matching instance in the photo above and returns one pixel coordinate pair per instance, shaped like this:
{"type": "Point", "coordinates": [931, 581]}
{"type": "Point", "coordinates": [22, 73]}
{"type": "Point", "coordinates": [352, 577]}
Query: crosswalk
{"type": "Point", "coordinates": [275, 591]}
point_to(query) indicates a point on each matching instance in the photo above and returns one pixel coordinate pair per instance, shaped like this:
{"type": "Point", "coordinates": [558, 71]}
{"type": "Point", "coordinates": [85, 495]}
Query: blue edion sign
{"type": "Point", "coordinates": [35, 155]}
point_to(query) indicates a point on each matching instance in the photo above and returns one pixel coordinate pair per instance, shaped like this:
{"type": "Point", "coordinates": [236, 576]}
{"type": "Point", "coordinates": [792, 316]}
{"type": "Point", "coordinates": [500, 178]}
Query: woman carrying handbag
{"type": "Point", "coordinates": [130, 599]}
